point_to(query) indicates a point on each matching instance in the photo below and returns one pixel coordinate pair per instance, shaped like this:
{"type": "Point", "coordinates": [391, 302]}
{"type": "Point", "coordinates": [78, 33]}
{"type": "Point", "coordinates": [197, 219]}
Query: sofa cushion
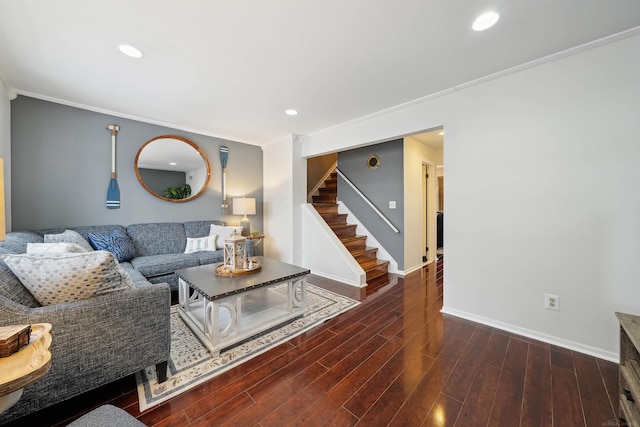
{"type": "Point", "coordinates": [207, 257]}
{"type": "Point", "coordinates": [68, 236]}
{"type": "Point", "coordinates": [117, 242]}
{"type": "Point", "coordinates": [200, 228]}
{"type": "Point", "coordinates": [106, 416]}
{"type": "Point", "coordinates": [59, 278]}
{"type": "Point", "coordinates": [156, 265]}
{"type": "Point", "coordinates": [54, 248]}
{"type": "Point", "coordinates": [13, 289]}
{"type": "Point", "coordinates": [136, 277]}
{"type": "Point", "coordinates": [16, 242]}
{"type": "Point", "coordinates": [157, 238]}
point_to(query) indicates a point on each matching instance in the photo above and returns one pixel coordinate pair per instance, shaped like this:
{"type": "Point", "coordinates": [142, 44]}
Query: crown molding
{"type": "Point", "coordinates": [129, 116]}
{"type": "Point", "coordinates": [531, 64]}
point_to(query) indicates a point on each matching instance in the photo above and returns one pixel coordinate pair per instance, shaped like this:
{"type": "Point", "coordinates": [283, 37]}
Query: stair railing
{"type": "Point", "coordinates": [367, 201]}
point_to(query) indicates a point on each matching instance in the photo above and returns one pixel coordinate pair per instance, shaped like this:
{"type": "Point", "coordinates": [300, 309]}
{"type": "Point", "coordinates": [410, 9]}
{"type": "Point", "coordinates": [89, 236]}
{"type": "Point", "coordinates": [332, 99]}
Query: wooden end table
{"type": "Point", "coordinates": [25, 366]}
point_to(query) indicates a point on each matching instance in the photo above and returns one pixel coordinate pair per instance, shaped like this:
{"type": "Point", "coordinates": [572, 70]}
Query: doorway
{"type": "Point", "coordinates": [430, 149]}
{"type": "Point", "coordinates": [440, 213]}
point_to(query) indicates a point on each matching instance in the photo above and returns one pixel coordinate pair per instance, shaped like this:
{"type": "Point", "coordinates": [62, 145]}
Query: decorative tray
{"type": "Point", "coordinates": [225, 270]}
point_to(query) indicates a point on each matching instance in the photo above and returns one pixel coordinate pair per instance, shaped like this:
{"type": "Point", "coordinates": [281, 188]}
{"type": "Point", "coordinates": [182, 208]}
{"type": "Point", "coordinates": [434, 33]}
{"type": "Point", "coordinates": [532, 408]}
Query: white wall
{"type": "Point", "coordinates": [284, 194]}
{"type": "Point", "coordinates": [5, 148]}
{"type": "Point", "coordinates": [324, 254]}
{"type": "Point", "coordinates": [542, 192]}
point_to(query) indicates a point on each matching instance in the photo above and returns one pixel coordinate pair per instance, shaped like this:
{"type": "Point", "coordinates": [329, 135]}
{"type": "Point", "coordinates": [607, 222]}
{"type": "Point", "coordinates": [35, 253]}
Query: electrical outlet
{"type": "Point", "coordinates": [551, 302]}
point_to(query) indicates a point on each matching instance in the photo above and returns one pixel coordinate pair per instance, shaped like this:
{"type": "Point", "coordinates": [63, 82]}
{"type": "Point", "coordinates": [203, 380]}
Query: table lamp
{"type": "Point", "coordinates": [244, 206]}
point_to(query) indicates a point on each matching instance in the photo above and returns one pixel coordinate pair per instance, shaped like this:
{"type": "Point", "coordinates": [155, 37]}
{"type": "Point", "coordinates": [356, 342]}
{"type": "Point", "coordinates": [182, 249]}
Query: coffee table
{"type": "Point", "coordinates": [223, 311]}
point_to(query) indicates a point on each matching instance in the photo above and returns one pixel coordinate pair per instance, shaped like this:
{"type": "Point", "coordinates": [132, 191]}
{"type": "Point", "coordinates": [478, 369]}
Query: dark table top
{"type": "Point", "coordinates": [204, 279]}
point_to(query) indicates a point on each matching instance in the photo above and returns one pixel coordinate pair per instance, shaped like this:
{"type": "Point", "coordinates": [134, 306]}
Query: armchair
{"type": "Point", "coordinates": [95, 341]}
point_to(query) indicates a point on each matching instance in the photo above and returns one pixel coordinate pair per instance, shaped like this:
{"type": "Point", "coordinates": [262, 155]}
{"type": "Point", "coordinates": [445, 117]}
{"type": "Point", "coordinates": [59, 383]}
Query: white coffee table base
{"type": "Point", "coordinates": [226, 321]}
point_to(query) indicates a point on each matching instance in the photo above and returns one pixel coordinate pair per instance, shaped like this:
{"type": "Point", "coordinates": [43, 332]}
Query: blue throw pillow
{"type": "Point", "coordinates": [118, 243]}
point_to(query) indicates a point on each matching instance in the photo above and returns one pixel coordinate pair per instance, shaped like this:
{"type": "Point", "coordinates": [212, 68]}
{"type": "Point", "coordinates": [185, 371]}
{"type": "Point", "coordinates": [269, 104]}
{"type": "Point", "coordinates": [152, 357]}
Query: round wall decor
{"type": "Point", "coordinates": [373, 162]}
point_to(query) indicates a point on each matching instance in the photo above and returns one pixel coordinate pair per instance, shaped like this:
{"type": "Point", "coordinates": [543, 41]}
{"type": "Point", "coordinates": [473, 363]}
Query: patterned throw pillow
{"type": "Point", "coordinates": [223, 232]}
{"type": "Point", "coordinates": [118, 243]}
{"type": "Point", "coordinates": [196, 244]}
{"type": "Point", "coordinates": [59, 278]}
{"type": "Point", "coordinates": [69, 236]}
{"type": "Point", "coordinates": [54, 248]}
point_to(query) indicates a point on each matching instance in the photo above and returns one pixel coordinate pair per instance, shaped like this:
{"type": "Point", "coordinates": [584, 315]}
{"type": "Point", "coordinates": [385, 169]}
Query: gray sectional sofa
{"type": "Point", "coordinates": [106, 337]}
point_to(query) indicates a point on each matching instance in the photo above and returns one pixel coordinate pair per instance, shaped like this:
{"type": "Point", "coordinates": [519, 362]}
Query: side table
{"type": "Point", "coordinates": [256, 239]}
{"type": "Point", "coordinates": [25, 366]}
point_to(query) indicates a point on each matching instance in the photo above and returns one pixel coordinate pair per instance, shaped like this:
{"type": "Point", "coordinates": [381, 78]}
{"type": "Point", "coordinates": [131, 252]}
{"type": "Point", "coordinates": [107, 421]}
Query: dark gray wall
{"type": "Point", "coordinates": [380, 186]}
{"type": "Point", "coordinates": [157, 180]}
{"type": "Point", "coordinates": [61, 167]}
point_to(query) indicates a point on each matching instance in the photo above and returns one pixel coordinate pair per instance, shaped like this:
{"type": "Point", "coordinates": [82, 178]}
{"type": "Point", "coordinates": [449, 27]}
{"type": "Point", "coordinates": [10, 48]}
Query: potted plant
{"type": "Point", "coordinates": [182, 191]}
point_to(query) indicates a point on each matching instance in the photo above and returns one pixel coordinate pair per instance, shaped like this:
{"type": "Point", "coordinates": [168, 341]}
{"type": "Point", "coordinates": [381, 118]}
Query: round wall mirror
{"type": "Point", "coordinates": [172, 168]}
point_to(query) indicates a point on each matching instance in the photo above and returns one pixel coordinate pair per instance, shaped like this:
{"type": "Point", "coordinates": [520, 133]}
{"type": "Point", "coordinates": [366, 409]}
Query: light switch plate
{"type": "Point", "coordinates": [392, 204]}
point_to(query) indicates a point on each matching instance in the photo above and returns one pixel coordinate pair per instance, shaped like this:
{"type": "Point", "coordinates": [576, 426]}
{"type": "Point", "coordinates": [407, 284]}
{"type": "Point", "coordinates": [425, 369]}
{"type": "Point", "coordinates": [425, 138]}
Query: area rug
{"type": "Point", "coordinates": [191, 363]}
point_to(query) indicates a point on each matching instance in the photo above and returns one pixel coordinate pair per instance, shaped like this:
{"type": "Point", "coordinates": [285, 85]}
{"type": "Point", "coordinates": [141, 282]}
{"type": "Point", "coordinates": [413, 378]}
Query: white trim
{"type": "Point", "coordinates": [536, 62]}
{"type": "Point", "coordinates": [550, 339]}
{"type": "Point", "coordinates": [321, 181]}
{"type": "Point", "coordinates": [338, 279]}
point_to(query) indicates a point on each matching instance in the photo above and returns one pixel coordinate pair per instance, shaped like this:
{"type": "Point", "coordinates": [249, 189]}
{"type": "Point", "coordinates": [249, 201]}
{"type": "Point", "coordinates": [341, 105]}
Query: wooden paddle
{"type": "Point", "coordinates": [113, 192]}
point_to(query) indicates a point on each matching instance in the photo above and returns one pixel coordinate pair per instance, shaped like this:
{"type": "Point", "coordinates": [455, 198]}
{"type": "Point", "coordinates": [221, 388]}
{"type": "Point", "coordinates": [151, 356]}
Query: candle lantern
{"type": "Point", "coordinates": [235, 253]}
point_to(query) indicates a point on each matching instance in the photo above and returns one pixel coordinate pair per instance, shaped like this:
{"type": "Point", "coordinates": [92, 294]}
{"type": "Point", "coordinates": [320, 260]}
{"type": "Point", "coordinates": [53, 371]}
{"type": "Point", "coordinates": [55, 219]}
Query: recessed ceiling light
{"type": "Point", "coordinates": [291, 112]}
{"type": "Point", "coordinates": [131, 51]}
{"type": "Point", "coordinates": [486, 20]}
{"type": "Point", "coordinates": [172, 163]}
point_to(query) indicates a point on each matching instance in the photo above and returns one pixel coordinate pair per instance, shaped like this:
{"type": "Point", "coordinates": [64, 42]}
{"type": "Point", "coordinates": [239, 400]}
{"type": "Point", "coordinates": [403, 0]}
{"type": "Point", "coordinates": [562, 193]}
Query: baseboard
{"type": "Point", "coordinates": [338, 279]}
{"type": "Point", "coordinates": [550, 339]}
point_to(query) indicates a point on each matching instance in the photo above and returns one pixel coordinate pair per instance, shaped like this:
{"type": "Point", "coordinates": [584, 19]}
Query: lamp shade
{"type": "Point", "coordinates": [244, 206]}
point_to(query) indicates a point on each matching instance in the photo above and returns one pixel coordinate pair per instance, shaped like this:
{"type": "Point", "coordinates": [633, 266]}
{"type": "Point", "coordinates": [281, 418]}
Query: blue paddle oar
{"type": "Point", "coordinates": [113, 192]}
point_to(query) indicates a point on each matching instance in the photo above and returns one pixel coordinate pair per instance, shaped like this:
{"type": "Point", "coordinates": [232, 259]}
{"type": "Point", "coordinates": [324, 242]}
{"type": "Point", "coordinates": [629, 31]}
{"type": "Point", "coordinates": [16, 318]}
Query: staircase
{"type": "Point", "coordinates": [326, 205]}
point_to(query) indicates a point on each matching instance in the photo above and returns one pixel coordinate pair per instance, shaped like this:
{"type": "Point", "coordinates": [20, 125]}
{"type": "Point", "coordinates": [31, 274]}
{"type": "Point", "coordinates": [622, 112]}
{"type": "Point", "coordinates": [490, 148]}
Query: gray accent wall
{"type": "Point", "coordinates": [61, 167]}
{"type": "Point", "coordinates": [380, 186]}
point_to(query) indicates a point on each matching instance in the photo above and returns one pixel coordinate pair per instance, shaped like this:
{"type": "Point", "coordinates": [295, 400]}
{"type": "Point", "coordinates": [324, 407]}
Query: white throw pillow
{"type": "Point", "coordinates": [69, 236]}
{"type": "Point", "coordinates": [196, 244]}
{"type": "Point", "coordinates": [223, 232]}
{"type": "Point", "coordinates": [54, 248]}
{"type": "Point", "coordinates": [59, 278]}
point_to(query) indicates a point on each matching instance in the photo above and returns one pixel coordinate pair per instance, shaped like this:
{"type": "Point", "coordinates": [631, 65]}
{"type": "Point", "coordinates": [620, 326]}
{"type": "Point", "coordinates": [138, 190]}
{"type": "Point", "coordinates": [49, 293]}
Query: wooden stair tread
{"type": "Point", "coordinates": [353, 239]}
{"type": "Point", "coordinates": [342, 226]}
{"type": "Point", "coordinates": [374, 263]}
{"type": "Point", "coordinates": [368, 251]}
{"type": "Point", "coordinates": [325, 203]}
{"type": "Point", "coordinates": [334, 219]}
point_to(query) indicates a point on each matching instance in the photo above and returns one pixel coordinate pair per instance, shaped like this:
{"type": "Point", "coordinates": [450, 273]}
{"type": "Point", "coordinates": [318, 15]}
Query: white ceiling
{"type": "Point", "coordinates": [231, 68]}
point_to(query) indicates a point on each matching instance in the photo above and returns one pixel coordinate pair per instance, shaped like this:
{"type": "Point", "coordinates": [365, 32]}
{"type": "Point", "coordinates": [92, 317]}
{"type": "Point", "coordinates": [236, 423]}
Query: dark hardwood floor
{"type": "Point", "coordinates": [393, 360]}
